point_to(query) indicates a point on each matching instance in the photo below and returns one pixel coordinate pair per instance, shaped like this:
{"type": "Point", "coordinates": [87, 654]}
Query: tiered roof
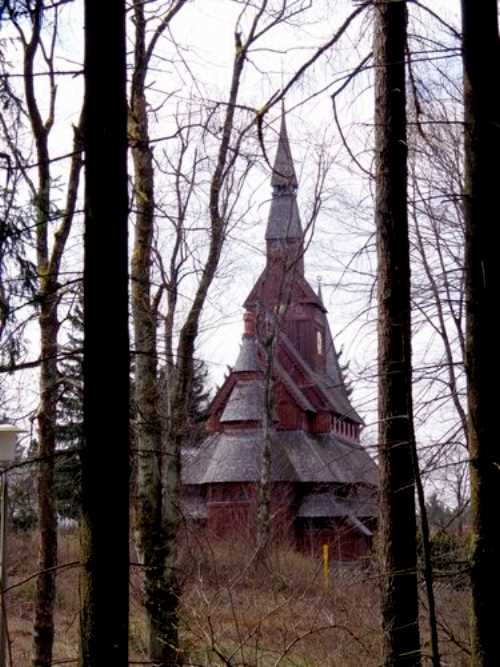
{"type": "Point", "coordinates": [297, 456]}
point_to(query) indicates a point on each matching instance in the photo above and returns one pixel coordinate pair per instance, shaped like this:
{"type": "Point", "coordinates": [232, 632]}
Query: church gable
{"type": "Point", "coordinates": [272, 290]}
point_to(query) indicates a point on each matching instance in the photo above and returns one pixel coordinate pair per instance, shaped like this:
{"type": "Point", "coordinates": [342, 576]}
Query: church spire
{"type": "Point", "coordinates": [284, 171]}
{"type": "Point", "coordinates": [284, 219]}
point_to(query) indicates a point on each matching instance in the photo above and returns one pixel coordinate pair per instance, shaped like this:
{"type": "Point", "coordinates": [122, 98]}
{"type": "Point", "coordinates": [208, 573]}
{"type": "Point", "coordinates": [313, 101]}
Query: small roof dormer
{"type": "Point", "coordinates": [247, 361]}
{"type": "Point", "coordinates": [247, 358]}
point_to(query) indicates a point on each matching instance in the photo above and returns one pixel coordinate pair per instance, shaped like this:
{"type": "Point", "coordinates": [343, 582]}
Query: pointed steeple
{"type": "Point", "coordinates": [284, 219]}
{"type": "Point", "coordinates": [284, 171]}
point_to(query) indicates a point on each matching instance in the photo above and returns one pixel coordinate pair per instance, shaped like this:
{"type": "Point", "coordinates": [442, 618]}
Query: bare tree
{"type": "Point", "coordinates": [152, 540]}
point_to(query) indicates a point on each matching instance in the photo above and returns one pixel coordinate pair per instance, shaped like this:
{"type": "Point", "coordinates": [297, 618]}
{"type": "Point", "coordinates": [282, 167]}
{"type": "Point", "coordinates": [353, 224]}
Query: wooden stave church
{"type": "Point", "coordinates": [324, 483]}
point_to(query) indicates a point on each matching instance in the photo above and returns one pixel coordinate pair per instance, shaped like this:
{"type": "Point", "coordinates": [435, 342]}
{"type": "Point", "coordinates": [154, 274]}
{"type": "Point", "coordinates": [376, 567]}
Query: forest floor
{"type": "Point", "coordinates": [241, 613]}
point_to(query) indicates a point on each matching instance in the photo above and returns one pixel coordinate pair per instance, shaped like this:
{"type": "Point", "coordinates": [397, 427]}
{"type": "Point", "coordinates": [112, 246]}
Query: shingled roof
{"type": "Point", "coordinates": [329, 504]}
{"type": "Point", "coordinates": [246, 402]}
{"type": "Point", "coordinates": [284, 219]}
{"type": "Point", "coordinates": [233, 457]}
{"type": "Point", "coordinates": [247, 358]}
{"type": "Point", "coordinates": [296, 457]}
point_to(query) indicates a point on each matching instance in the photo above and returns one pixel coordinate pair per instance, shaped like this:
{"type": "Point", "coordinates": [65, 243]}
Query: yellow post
{"type": "Point", "coordinates": [326, 566]}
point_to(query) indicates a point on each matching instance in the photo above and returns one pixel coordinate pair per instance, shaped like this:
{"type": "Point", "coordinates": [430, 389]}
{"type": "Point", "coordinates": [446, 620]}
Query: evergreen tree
{"type": "Point", "coordinates": [70, 414]}
{"type": "Point", "coordinates": [440, 516]}
{"type": "Point", "coordinates": [70, 418]}
{"type": "Point", "coordinates": [344, 373]}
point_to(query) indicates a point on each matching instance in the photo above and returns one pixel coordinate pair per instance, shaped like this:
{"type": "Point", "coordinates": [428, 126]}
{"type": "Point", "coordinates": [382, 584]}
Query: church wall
{"type": "Point", "coordinates": [297, 375]}
{"type": "Point", "coordinates": [305, 329]}
{"type": "Point", "coordinates": [321, 423]}
{"type": "Point", "coordinates": [231, 514]}
{"type": "Point", "coordinates": [232, 511]}
{"type": "Point", "coordinates": [290, 416]}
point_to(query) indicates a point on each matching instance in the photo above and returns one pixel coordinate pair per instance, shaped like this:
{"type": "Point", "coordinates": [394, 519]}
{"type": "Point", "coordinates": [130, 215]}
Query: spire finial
{"type": "Point", "coordinates": [320, 292]}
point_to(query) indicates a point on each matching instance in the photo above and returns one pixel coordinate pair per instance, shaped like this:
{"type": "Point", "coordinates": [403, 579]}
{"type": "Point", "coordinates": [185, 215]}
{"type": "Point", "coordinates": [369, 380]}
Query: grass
{"type": "Point", "coordinates": [238, 612]}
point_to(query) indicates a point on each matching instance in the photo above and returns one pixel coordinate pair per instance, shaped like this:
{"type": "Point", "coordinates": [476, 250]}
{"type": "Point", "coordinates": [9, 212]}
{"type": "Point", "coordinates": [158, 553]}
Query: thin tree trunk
{"type": "Point", "coordinates": [482, 145]}
{"type": "Point", "coordinates": [428, 570]}
{"type": "Point", "coordinates": [43, 624]}
{"type": "Point", "coordinates": [264, 491]}
{"type": "Point", "coordinates": [151, 538]}
{"type": "Point", "coordinates": [153, 534]}
{"type": "Point", "coordinates": [43, 621]}
{"type": "Point", "coordinates": [105, 454]}
{"type": "Point", "coordinates": [396, 436]}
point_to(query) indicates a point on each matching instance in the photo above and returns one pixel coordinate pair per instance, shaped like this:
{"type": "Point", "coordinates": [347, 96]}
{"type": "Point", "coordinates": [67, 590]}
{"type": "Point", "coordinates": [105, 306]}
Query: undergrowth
{"type": "Point", "coordinates": [240, 611]}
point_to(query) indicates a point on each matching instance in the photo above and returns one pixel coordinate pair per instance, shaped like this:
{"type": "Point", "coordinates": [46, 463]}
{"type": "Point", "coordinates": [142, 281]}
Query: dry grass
{"type": "Point", "coordinates": [239, 612]}
{"type": "Point", "coordinates": [22, 564]}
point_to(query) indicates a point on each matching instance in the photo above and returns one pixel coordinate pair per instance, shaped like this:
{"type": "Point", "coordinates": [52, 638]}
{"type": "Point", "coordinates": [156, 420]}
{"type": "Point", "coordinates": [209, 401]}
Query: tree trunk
{"type": "Point", "coordinates": [428, 569]}
{"type": "Point", "coordinates": [482, 145]}
{"type": "Point", "coordinates": [43, 623]}
{"type": "Point", "coordinates": [396, 436]}
{"type": "Point", "coordinates": [151, 537]}
{"type": "Point", "coordinates": [264, 492]}
{"type": "Point", "coordinates": [105, 454]}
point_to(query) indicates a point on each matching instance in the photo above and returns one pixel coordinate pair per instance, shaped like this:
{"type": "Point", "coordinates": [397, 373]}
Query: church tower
{"type": "Point", "coordinates": [324, 481]}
